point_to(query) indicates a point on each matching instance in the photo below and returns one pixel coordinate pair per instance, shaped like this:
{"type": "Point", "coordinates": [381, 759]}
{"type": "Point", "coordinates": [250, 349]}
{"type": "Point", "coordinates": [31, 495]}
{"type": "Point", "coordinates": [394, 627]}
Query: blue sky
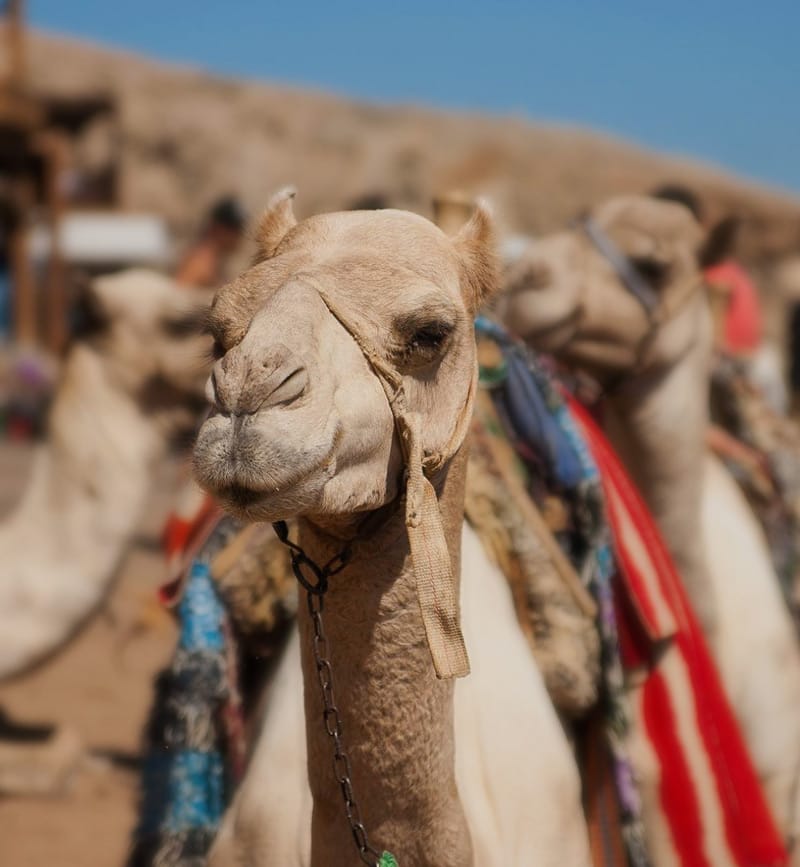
{"type": "Point", "coordinates": [711, 79]}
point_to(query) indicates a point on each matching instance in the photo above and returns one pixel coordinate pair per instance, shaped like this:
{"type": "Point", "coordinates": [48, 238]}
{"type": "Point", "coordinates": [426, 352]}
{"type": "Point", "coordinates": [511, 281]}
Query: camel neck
{"type": "Point", "coordinates": [397, 718]}
{"type": "Point", "coordinates": [101, 448]}
{"type": "Point", "coordinates": [657, 423]}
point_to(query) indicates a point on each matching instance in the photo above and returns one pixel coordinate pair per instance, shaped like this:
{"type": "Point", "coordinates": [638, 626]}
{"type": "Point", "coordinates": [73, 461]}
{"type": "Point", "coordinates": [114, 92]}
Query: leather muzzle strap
{"type": "Point", "coordinates": [430, 556]}
{"type": "Point", "coordinates": [633, 281]}
{"type": "Point", "coordinates": [658, 310]}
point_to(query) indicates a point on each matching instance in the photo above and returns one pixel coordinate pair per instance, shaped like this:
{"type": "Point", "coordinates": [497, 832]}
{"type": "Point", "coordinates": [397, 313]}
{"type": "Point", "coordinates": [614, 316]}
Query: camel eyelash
{"type": "Point", "coordinates": [430, 336]}
{"type": "Point", "coordinates": [189, 325]}
{"type": "Point", "coordinates": [217, 350]}
{"type": "Point", "coordinates": [421, 342]}
{"type": "Point", "coordinates": [210, 329]}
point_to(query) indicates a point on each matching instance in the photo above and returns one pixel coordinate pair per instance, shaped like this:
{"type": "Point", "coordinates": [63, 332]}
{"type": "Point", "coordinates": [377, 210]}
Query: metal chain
{"type": "Point", "coordinates": [315, 588]}
{"type": "Point", "coordinates": [333, 726]}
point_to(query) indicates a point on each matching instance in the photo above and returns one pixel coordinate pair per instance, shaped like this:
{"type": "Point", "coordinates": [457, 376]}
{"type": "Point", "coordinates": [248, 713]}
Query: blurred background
{"type": "Point", "coordinates": [149, 134]}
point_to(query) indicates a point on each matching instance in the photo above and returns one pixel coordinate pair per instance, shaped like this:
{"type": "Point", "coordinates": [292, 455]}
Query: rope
{"type": "Point", "coordinates": [433, 569]}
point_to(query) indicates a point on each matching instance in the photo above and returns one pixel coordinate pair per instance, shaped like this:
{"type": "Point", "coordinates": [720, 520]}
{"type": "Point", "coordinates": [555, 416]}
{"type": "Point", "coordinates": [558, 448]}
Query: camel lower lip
{"type": "Point", "coordinates": [240, 496]}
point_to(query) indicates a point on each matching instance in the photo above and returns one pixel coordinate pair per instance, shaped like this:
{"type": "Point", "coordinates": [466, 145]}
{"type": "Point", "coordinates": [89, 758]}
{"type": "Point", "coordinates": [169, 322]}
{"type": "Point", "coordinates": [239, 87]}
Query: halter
{"type": "Point", "coordinates": [436, 585]}
{"type": "Point", "coordinates": [633, 281]}
{"type": "Point", "coordinates": [658, 310]}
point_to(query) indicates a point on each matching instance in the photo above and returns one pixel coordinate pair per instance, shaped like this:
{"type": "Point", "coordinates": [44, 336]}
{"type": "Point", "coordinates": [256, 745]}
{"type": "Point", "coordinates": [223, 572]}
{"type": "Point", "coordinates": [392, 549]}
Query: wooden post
{"type": "Point", "coordinates": [15, 43]}
{"type": "Point", "coordinates": [56, 308]}
{"type": "Point", "coordinates": [23, 282]}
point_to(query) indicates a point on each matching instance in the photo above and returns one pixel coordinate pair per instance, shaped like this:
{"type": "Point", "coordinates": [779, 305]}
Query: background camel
{"type": "Point", "coordinates": [126, 391]}
{"type": "Point", "coordinates": [566, 298]}
{"type": "Point", "coordinates": [444, 773]}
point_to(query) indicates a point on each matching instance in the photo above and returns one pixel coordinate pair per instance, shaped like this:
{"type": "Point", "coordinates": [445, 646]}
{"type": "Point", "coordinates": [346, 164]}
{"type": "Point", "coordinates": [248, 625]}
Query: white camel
{"type": "Point", "coordinates": [125, 392]}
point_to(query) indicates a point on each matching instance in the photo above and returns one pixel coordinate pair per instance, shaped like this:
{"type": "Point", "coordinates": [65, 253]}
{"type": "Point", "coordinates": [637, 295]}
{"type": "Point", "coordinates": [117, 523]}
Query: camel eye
{"type": "Point", "coordinates": [422, 334]}
{"type": "Point", "coordinates": [654, 272]}
{"type": "Point", "coordinates": [422, 343]}
{"type": "Point", "coordinates": [217, 347]}
{"type": "Point", "coordinates": [430, 337]}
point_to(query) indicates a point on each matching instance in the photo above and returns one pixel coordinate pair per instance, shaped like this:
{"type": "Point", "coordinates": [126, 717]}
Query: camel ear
{"type": "Point", "coordinates": [475, 246]}
{"type": "Point", "coordinates": [275, 223]}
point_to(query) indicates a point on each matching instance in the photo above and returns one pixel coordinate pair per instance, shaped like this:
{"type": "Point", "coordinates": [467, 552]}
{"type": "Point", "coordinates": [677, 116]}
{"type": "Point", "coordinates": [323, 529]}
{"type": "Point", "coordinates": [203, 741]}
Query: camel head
{"type": "Point", "coordinates": [301, 424]}
{"type": "Point", "coordinates": [148, 331]}
{"type": "Point", "coordinates": [565, 297]}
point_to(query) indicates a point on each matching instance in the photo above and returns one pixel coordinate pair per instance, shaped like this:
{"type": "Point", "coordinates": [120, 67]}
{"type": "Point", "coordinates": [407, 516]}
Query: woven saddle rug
{"type": "Point", "coordinates": [658, 669]}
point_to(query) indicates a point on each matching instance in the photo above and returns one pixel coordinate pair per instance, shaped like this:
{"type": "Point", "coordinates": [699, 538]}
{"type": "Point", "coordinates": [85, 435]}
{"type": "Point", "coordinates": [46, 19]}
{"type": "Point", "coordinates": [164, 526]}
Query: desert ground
{"type": "Point", "coordinates": [101, 688]}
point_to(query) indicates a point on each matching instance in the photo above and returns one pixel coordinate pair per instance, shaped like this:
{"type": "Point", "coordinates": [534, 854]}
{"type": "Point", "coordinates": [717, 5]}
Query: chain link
{"type": "Point", "coordinates": [332, 721]}
{"type": "Point", "coordinates": [315, 589]}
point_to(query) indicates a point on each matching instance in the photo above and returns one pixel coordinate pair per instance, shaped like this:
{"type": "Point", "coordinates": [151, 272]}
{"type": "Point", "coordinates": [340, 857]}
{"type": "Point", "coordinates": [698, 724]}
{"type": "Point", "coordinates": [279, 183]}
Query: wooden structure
{"type": "Point", "coordinates": [36, 133]}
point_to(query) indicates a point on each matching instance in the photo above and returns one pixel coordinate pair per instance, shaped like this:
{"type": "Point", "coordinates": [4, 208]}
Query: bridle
{"type": "Point", "coordinates": [658, 310]}
{"type": "Point", "coordinates": [633, 281]}
{"type": "Point", "coordinates": [436, 586]}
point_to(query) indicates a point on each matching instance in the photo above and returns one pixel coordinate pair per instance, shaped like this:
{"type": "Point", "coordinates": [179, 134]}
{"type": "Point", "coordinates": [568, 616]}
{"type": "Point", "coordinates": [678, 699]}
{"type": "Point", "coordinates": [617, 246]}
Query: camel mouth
{"type": "Point", "coordinates": [247, 504]}
{"type": "Point", "coordinates": [240, 496]}
{"type": "Point", "coordinates": [261, 477]}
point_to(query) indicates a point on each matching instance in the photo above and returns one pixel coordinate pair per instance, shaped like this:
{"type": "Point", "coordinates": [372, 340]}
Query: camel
{"type": "Point", "coordinates": [445, 773]}
{"type": "Point", "coordinates": [565, 297]}
{"type": "Point", "coordinates": [126, 391]}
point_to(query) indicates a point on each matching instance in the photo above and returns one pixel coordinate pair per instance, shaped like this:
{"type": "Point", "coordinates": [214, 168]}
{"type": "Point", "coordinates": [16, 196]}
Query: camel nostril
{"type": "Point", "coordinates": [211, 390]}
{"type": "Point", "coordinates": [289, 389]}
{"type": "Point", "coordinates": [213, 395]}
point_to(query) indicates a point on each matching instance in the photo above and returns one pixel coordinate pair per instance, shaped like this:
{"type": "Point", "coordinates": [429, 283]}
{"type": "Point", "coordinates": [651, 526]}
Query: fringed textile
{"type": "Point", "coordinates": [195, 737]}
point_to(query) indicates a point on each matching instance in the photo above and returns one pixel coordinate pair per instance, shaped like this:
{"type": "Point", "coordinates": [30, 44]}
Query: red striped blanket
{"type": "Point", "coordinates": [709, 793]}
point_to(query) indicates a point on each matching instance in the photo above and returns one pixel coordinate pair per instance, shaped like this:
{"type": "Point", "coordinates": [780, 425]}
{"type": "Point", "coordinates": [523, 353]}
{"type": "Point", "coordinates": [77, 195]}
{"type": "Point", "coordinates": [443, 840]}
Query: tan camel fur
{"type": "Point", "coordinates": [564, 297]}
{"type": "Point", "coordinates": [124, 393]}
{"type": "Point", "coordinates": [446, 774]}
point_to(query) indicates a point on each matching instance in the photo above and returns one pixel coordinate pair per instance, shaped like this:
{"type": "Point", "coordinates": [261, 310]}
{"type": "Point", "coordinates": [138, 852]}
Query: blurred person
{"type": "Point", "coordinates": [204, 264]}
{"type": "Point", "coordinates": [741, 327]}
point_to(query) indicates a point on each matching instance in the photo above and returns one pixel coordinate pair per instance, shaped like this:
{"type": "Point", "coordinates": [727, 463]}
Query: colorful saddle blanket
{"type": "Point", "coordinates": [673, 693]}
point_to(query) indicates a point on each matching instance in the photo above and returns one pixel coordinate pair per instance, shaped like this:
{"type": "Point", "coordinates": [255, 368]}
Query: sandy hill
{"type": "Point", "coordinates": [188, 136]}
